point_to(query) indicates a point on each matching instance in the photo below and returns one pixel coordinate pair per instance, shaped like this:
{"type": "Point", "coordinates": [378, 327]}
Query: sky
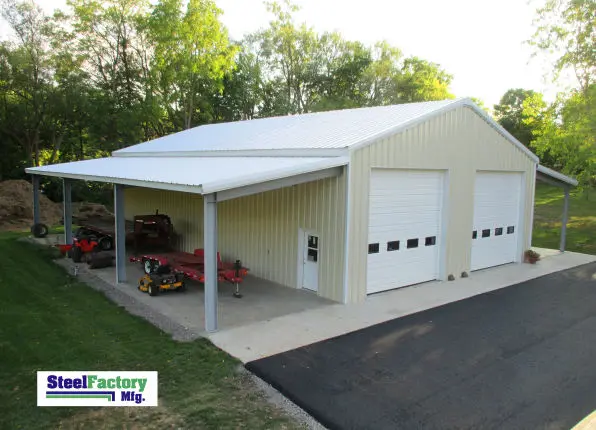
{"type": "Point", "coordinates": [480, 42]}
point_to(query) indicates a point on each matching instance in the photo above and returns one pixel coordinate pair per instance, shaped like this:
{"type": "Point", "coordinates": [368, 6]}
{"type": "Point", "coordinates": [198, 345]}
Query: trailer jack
{"type": "Point", "coordinates": [237, 267]}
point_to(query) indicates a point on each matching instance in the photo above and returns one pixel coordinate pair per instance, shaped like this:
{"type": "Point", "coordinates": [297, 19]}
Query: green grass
{"type": "Point", "coordinates": [49, 321]}
{"type": "Point", "coordinates": [581, 227]}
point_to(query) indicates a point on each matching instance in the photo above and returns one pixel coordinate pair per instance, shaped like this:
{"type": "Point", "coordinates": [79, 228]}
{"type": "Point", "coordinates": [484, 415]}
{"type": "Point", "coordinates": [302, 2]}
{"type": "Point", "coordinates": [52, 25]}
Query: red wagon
{"type": "Point", "coordinates": [193, 266]}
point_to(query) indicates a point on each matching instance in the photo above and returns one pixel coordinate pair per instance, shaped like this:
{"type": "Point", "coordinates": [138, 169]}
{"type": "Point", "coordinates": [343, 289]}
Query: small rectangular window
{"type": "Point", "coordinates": [373, 248]}
{"type": "Point", "coordinates": [499, 231]}
{"type": "Point", "coordinates": [510, 229]}
{"type": "Point", "coordinates": [474, 234]}
{"type": "Point", "coordinates": [313, 255]}
{"type": "Point", "coordinates": [412, 243]}
{"type": "Point", "coordinates": [313, 242]}
{"type": "Point", "coordinates": [430, 241]}
{"type": "Point", "coordinates": [486, 233]}
{"type": "Point", "coordinates": [393, 245]}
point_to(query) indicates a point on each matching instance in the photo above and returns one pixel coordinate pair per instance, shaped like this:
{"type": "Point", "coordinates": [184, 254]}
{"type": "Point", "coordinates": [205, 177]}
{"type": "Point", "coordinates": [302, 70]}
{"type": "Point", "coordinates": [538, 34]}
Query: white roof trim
{"type": "Point", "coordinates": [284, 152]}
{"type": "Point", "coordinates": [122, 181]}
{"type": "Point", "coordinates": [556, 175]}
{"type": "Point", "coordinates": [456, 103]}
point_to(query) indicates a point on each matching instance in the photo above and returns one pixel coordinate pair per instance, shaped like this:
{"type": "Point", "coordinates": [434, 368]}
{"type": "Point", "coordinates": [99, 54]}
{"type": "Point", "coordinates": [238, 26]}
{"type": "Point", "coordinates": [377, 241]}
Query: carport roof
{"type": "Point", "coordinates": [556, 176]}
{"type": "Point", "coordinates": [200, 175]}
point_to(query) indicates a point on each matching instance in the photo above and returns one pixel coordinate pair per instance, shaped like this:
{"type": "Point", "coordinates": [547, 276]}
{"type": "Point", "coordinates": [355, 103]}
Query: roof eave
{"type": "Point", "coordinates": [194, 189]}
{"type": "Point", "coordinates": [556, 176]}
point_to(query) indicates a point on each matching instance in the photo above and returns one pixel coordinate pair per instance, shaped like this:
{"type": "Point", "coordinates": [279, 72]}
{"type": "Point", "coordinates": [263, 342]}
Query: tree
{"type": "Point", "coordinates": [192, 56]}
{"type": "Point", "coordinates": [565, 132]}
{"type": "Point", "coordinates": [26, 84]}
{"type": "Point", "coordinates": [568, 28]}
{"type": "Point", "coordinates": [567, 129]}
{"type": "Point", "coordinates": [421, 80]}
{"type": "Point", "coordinates": [510, 114]}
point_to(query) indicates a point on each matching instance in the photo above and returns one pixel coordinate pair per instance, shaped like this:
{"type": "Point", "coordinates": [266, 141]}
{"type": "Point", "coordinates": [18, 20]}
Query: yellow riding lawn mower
{"type": "Point", "coordinates": [163, 279]}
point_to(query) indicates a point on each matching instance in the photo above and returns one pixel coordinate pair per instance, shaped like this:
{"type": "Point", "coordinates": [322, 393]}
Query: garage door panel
{"type": "Point", "coordinates": [404, 205]}
{"type": "Point", "coordinates": [497, 205]}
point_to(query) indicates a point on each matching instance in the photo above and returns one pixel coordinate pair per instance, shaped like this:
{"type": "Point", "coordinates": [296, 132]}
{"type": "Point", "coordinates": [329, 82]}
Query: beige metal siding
{"type": "Point", "coordinates": [459, 142]}
{"type": "Point", "coordinates": [262, 230]}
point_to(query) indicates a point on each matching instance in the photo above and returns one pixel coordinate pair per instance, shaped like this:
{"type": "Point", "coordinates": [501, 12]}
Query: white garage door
{"type": "Point", "coordinates": [497, 202]}
{"type": "Point", "coordinates": [405, 214]}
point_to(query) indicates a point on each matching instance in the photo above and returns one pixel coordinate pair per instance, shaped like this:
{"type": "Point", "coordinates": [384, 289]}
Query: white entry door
{"type": "Point", "coordinates": [497, 205]}
{"type": "Point", "coordinates": [310, 273]}
{"type": "Point", "coordinates": [404, 233]}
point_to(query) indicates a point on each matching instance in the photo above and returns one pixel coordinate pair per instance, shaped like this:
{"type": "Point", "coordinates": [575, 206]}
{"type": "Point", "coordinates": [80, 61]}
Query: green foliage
{"type": "Point", "coordinates": [509, 113]}
{"type": "Point", "coordinates": [565, 132]}
{"type": "Point", "coordinates": [567, 29]}
{"type": "Point", "coordinates": [101, 75]}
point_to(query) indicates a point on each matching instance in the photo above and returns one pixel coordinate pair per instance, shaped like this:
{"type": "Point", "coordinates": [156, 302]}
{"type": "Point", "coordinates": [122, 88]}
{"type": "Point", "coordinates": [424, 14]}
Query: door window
{"type": "Point", "coordinates": [312, 252]}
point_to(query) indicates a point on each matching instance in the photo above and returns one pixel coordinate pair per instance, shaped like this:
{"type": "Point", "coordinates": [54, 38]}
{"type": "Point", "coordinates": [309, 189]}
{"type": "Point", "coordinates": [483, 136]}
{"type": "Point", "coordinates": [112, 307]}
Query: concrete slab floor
{"type": "Point", "coordinates": [262, 300]}
{"type": "Point", "coordinates": [261, 339]}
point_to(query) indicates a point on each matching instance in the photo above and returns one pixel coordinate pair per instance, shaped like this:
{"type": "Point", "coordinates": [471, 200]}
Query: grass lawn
{"type": "Point", "coordinates": [49, 321]}
{"type": "Point", "coordinates": [581, 227]}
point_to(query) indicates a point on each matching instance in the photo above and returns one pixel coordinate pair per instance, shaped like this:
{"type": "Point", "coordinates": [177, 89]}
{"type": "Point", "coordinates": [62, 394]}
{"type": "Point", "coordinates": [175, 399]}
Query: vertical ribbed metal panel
{"type": "Point", "coordinates": [459, 142]}
{"type": "Point", "coordinates": [262, 229]}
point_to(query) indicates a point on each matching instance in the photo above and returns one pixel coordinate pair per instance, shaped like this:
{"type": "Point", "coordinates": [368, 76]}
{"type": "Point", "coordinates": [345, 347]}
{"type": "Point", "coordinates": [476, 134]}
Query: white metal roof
{"type": "Point", "coordinates": [556, 175]}
{"type": "Point", "coordinates": [195, 175]}
{"type": "Point", "coordinates": [321, 130]}
{"type": "Point", "coordinates": [315, 134]}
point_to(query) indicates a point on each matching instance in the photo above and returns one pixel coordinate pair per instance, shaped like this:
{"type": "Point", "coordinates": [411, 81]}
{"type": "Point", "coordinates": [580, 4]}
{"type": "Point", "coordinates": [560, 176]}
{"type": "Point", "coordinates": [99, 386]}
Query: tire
{"type": "Point", "coordinates": [39, 230]}
{"type": "Point", "coordinates": [76, 254]}
{"type": "Point", "coordinates": [105, 243]}
{"type": "Point", "coordinates": [153, 289]}
{"type": "Point", "coordinates": [149, 267]}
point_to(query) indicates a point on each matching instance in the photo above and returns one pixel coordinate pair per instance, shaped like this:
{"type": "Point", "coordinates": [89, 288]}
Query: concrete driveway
{"type": "Point", "coordinates": [519, 357]}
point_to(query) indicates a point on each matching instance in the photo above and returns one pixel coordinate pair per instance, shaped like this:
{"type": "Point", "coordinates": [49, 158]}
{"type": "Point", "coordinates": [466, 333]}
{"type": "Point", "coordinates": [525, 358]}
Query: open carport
{"type": "Point", "coordinates": [207, 183]}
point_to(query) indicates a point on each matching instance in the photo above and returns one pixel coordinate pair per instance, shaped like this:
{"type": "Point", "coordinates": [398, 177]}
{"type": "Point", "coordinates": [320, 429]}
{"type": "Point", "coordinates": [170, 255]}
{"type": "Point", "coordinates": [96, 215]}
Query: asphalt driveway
{"type": "Point", "coordinates": [523, 357]}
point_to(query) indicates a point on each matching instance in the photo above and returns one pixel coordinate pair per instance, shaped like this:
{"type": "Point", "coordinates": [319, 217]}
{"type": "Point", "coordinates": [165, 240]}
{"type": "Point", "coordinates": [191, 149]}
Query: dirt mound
{"type": "Point", "coordinates": [83, 212]}
{"type": "Point", "coordinates": [16, 206]}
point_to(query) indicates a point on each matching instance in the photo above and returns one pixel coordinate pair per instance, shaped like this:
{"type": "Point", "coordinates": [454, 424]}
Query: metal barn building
{"type": "Point", "coordinates": [343, 203]}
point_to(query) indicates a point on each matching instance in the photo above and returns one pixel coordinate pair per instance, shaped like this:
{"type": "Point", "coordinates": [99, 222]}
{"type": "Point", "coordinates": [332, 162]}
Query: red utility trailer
{"type": "Point", "coordinates": [193, 266]}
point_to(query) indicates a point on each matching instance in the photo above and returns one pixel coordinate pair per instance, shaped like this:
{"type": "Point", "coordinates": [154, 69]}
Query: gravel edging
{"type": "Point", "coordinates": [282, 402]}
{"type": "Point", "coordinates": [135, 307]}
